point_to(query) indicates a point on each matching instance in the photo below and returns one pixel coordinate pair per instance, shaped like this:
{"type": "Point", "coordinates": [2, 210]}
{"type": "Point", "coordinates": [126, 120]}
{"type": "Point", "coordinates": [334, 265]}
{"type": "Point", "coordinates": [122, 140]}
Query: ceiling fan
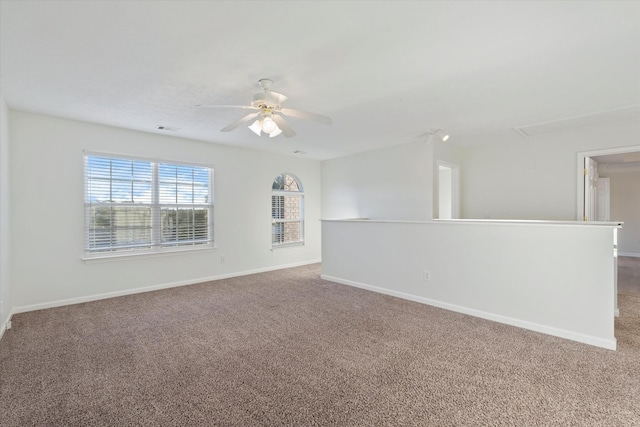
{"type": "Point", "coordinates": [268, 113]}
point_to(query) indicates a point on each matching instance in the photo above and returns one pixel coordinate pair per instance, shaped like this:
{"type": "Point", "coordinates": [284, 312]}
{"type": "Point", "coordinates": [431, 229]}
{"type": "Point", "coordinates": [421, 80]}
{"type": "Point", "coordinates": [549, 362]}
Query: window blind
{"type": "Point", "coordinates": [134, 204]}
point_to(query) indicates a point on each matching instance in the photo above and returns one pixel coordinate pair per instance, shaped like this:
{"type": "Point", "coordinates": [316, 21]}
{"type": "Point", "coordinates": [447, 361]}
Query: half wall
{"type": "Point", "coordinates": [551, 277]}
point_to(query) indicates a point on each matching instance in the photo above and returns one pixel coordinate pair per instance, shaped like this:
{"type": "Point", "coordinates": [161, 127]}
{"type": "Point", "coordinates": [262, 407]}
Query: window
{"type": "Point", "coordinates": [287, 211]}
{"type": "Point", "coordinates": [134, 205]}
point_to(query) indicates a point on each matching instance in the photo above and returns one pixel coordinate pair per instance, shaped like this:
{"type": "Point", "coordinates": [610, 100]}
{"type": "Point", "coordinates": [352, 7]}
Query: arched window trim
{"type": "Point", "coordinates": [299, 186]}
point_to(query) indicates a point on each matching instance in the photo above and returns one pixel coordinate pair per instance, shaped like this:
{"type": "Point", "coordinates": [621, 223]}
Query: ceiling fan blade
{"type": "Point", "coordinates": [244, 107]}
{"type": "Point", "coordinates": [305, 115]}
{"type": "Point", "coordinates": [284, 126]}
{"type": "Point", "coordinates": [279, 97]}
{"type": "Point", "coordinates": [237, 123]}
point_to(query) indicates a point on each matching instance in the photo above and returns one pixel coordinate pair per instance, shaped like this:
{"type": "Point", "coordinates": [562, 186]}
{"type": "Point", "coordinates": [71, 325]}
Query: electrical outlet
{"type": "Point", "coordinates": [8, 324]}
{"type": "Point", "coordinates": [426, 276]}
{"type": "Point", "coordinates": [221, 260]}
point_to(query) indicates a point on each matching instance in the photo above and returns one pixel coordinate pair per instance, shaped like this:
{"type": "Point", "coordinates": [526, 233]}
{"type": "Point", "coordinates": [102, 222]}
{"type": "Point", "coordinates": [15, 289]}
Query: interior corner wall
{"type": "Point", "coordinates": [625, 207]}
{"type": "Point", "coordinates": [390, 183]}
{"type": "Point", "coordinates": [447, 152]}
{"type": "Point", "coordinates": [5, 252]}
{"type": "Point", "coordinates": [48, 216]}
{"type": "Point", "coordinates": [534, 177]}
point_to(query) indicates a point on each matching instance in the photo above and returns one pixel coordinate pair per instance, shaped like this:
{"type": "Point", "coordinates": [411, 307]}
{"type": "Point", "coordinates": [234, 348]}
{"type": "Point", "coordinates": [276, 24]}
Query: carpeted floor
{"type": "Point", "coordinates": [629, 275]}
{"type": "Point", "coordinates": [287, 348]}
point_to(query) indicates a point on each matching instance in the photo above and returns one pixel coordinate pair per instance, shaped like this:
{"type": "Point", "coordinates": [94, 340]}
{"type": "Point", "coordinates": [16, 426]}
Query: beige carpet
{"type": "Point", "coordinates": [286, 348]}
{"type": "Point", "coordinates": [629, 275]}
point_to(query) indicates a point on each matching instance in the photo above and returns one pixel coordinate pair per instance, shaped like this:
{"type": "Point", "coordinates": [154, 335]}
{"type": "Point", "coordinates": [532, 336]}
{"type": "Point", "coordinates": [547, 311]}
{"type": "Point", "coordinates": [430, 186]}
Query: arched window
{"type": "Point", "coordinates": [287, 211]}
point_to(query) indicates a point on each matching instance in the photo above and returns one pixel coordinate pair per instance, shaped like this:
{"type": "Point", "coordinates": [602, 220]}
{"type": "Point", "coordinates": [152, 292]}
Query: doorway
{"type": "Point", "coordinates": [594, 193]}
{"type": "Point", "coordinates": [448, 190]}
{"type": "Point", "coordinates": [611, 154]}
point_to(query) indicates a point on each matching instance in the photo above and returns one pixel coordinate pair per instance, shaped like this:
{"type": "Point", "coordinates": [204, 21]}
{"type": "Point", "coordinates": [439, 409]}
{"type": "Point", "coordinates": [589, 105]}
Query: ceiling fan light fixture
{"type": "Point", "coordinates": [268, 125]}
{"type": "Point", "coordinates": [256, 127]}
{"type": "Point", "coordinates": [269, 114]}
{"type": "Point", "coordinates": [276, 132]}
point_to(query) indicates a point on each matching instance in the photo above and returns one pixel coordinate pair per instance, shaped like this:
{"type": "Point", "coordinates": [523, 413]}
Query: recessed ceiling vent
{"type": "Point", "coordinates": [168, 128]}
{"type": "Point", "coordinates": [577, 122]}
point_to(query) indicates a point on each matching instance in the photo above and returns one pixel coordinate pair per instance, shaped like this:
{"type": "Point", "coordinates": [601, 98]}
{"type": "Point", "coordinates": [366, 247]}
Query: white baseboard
{"type": "Point", "coordinates": [631, 254]}
{"type": "Point", "coordinates": [5, 324]}
{"type": "Point", "coordinates": [574, 336]}
{"type": "Point", "coordinates": [96, 297]}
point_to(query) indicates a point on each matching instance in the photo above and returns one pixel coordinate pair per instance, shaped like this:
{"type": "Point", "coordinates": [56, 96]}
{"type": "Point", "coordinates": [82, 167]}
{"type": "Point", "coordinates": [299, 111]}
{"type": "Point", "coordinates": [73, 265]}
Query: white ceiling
{"type": "Point", "coordinates": [385, 72]}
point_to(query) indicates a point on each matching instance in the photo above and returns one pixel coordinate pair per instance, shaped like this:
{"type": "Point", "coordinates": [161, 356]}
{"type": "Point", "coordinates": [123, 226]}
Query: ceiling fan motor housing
{"type": "Point", "coordinates": [265, 99]}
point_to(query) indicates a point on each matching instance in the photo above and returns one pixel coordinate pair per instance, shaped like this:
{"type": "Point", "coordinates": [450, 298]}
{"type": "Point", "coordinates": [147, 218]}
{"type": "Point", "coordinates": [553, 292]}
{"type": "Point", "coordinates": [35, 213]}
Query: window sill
{"type": "Point", "coordinates": [90, 259]}
{"type": "Point", "coordinates": [278, 248]}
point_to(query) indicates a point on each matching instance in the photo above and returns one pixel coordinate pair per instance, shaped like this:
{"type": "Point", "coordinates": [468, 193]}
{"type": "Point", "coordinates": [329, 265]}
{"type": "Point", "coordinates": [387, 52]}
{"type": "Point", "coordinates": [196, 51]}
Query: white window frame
{"type": "Point", "coordinates": [157, 247]}
{"type": "Point", "coordinates": [300, 219]}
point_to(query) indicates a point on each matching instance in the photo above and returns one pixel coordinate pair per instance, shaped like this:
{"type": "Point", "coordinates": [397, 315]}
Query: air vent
{"type": "Point", "coordinates": [577, 122]}
{"type": "Point", "coordinates": [168, 128]}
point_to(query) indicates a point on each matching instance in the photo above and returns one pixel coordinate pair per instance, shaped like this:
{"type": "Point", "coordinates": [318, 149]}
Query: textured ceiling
{"type": "Point", "coordinates": [385, 72]}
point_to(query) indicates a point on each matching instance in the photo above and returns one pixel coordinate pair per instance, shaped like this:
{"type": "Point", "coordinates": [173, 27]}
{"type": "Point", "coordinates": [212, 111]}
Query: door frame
{"type": "Point", "coordinates": [590, 189]}
{"type": "Point", "coordinates": [580, 171]}
{"type": "Point", "coordinates": [455, 188]}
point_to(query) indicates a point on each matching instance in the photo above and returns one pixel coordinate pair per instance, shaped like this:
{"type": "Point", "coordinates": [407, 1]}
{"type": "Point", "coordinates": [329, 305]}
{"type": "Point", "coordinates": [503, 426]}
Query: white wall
{"type": "Point", "coordinates": [5, 294]}
{"type": "Point", "coordinates": [535, 177]}
{"type": "Point", "coordinates": [625, 206]}
{"type": "Point", "coordinates": [398, 182]}
{"type": "Point", "coordinates": [552, 278]}
{"type": "Point", "coordinates": [390, 183]}
{"type": "Point", "coordinates": [47, 210]}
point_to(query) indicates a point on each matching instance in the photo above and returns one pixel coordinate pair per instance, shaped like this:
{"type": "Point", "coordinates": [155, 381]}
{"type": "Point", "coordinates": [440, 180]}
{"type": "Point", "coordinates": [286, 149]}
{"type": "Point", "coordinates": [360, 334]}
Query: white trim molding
{"type": "Point", "coordinates": [97, 297]}
{"type": "Point", "coordinates": [574, 336]}
{"type": "Point", "coordinates": [6, 325]}
{"type": "Point", "coordinates": [510, 272]}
